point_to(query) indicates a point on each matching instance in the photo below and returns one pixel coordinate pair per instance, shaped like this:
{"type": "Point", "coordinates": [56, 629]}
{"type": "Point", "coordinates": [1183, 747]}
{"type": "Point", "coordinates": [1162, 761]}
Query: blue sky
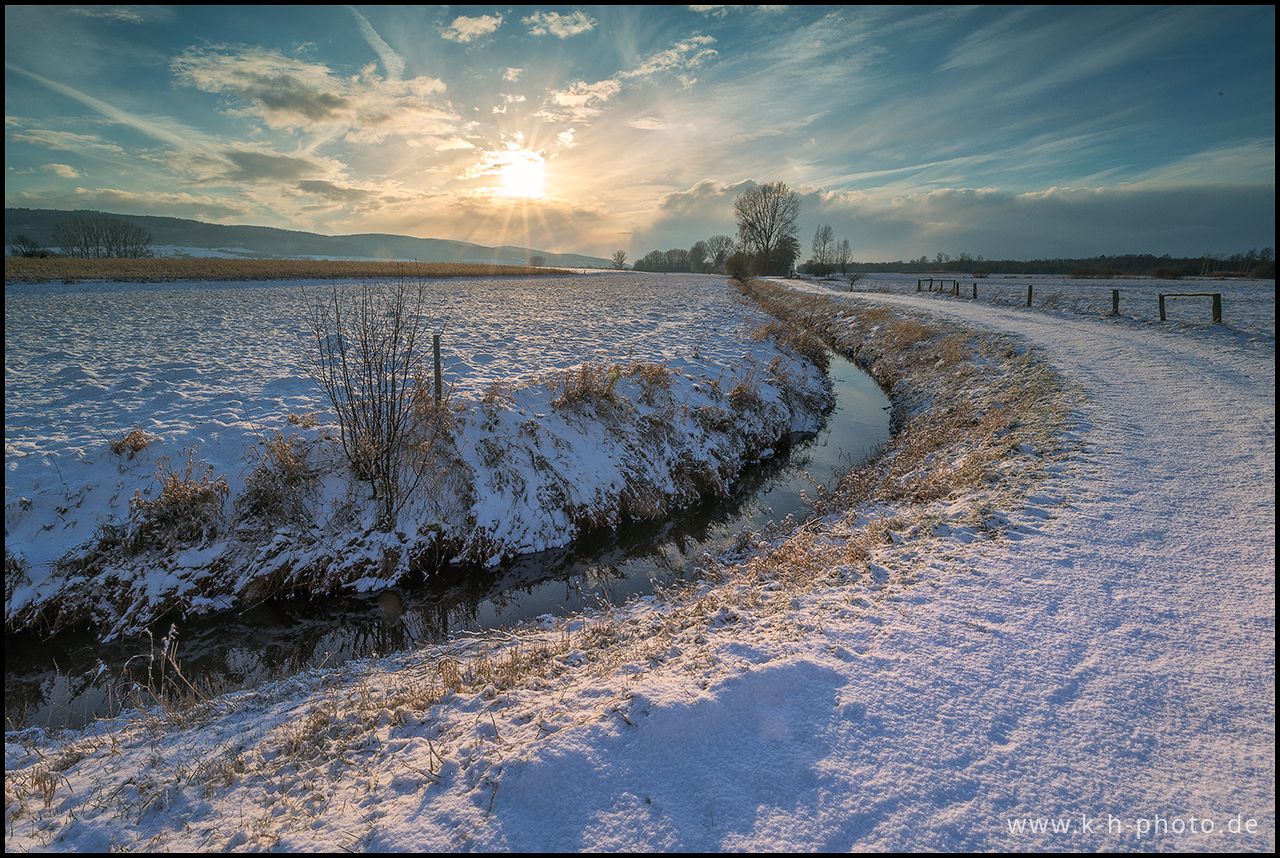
{"type": "Point", "coordinates": [997, 131]}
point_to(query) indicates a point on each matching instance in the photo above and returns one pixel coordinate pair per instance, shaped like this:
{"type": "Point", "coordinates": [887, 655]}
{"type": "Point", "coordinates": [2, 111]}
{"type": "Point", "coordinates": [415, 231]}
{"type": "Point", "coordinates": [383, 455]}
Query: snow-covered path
{"type": "Point", "coordinates": [1130, 670]}
{"type": "Point", "coordinates": [1101, 675]}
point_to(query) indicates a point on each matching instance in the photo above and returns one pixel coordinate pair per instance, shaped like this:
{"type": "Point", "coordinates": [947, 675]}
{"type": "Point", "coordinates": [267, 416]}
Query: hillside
{"type": "Point", "coordinates": [177, 236]}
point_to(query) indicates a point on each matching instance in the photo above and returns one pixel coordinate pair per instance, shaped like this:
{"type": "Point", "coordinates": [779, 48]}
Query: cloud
{"type": "Point", "coordinates": [579, 101]}
{"type": "Point", "coordinates": [391, 61]}
{"type": "Point", "coordinates": [245, 167]}
{"type": "Point", "coordinates": [683, 55]}
{"type": "Point", "coordinates": [122, 14]}
{"type": "Point", "coordinates": [464, 29]}
{"type": "Point", "coordinates": [292, 93]}
{"type": "Point", "coordinates": [334, 192]}
{"type": "Point", "coordinates": [723, 11]}
{"type": "Point", "coordinates": [560, 26]}
{"type": "Point", "coordinates": [65, 141]}
{"type": "Point", "coordinates": [62, 170]}
{"type": "Point", "coordinates": [183, 205]}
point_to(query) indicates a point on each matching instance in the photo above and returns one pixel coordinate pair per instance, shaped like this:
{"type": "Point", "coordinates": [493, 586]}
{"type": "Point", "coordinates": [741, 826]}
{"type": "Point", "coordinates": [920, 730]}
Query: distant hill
{"type": "Point", "coordinates": [178, 236]}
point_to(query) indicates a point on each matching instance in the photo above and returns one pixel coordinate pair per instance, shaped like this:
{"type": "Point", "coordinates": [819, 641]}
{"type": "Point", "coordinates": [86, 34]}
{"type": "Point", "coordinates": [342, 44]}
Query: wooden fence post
{"type": "Point", "coordinates": [435, 347]}
{"type": "Point", "coordinates": [975, 290]}
{"type": "Point", "coordinates": [1217, 308]}
{"type": "Point", "coordinates": [1115, 302]}
{"type": "Point", "coordinates": [1028, 294]}
{"type": "Point", "coordinates": [1162, 307]}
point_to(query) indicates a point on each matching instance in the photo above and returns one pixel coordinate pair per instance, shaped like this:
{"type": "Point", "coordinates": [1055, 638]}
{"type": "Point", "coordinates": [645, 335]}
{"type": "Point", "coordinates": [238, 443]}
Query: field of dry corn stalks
{"type": "Point", "coordinates": [162, 269]}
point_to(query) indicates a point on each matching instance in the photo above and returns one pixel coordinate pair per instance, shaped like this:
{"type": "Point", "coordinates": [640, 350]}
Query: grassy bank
{"type": "Point", "coordinates": [161, 269]}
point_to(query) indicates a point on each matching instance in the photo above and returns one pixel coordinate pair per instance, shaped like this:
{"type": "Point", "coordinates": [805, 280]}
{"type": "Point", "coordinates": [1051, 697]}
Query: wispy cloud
{"type": "Point", "coordinates": [464, 29]}
{"type": "Point", "coordinates": [156, 130]}
{"type": "Point", "coordinates": [684, 55]}
{"type": "Point", "coordinates": [560, 26]}
{"type": "Point", "coordinates": [392, 62]}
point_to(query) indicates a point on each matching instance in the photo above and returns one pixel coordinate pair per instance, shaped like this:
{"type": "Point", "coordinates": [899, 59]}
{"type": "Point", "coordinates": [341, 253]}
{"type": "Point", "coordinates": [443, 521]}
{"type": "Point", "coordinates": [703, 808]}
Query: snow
{"type": "Point", "coordinates": [212, 371]}
{"type": "Point", "coordinates": [1091, 667]}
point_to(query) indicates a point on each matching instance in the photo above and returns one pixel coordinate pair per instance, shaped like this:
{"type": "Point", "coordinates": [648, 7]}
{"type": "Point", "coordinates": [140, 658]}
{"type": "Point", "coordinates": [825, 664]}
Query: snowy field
{"type": "Point", "coordinates": [211, 370]}
{"type": "Point", "coordinates": [1092, 668]}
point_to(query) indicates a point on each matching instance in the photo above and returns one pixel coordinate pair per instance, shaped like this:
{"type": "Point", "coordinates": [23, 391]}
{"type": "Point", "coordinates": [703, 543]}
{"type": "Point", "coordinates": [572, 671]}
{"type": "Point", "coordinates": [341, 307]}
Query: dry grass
{"type": "Point", "coordinates": [590, 385]}
{"type": "Point", "coordinates": [188, 509]}
{"type": "Point", "coordinates": [283, 487]}
{"type": "Point", "coordinates": [70, 270]}
{"type": "Point", "coordinates": [133, 443]}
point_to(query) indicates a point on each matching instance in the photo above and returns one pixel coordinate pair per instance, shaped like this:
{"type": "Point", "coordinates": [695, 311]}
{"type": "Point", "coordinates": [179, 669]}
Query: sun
{"type": "Point", "coordinates": [522, 173]}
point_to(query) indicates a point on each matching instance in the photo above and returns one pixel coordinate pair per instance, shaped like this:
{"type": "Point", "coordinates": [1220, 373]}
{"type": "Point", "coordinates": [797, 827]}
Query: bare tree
{"type": "Point", "coordinates": [363, 351]}
{"type": "Point", "coordinates": [844, 256]}
{"type": "Point", "coordinates": [102, 237]}
{"type": "Point", "coordinates": [619, 259]}
{"type": "Point", "coordinates": [824, 250]}
{"type": "Point", "coordinates": [719, 249]}
{"type": "Point", "coordinates": [767, 216]}
{"type": "Point", "coordinates": [698, 257]}
{"type": "Point", "coordinates": [25, 245]}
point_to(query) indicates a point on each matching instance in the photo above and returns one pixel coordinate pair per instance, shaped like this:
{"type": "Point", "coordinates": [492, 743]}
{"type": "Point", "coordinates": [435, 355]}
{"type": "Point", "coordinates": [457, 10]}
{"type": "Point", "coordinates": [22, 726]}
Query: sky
{"type": "Point", "coordinates": [1003, 132]}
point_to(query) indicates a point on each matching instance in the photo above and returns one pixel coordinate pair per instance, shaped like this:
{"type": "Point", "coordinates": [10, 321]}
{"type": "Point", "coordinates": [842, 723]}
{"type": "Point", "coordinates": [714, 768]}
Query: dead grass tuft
{"type": "Point", "coordinates": [283, 487]}
{"type": "Point", "coordinates": [188, 509]}
{"type": "Point", "coordinates": [588, 386]}
{"type": "Point", "coordinates": [133, 443]}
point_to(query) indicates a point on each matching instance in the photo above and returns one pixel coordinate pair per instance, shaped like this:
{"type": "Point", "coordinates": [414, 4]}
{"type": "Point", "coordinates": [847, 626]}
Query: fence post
{"type": "Point", "coordinates": [435, 347]}
{"type": "Point", "coordinates": [1115, 302]}
{"type": "Point", "coordinates": [975, 290]}
{"type": "Point", "coordinates": [1162, 307]}
{"type": "Point", "coordinates": [1217, 307]}
{"type": "Point", "coordinates": [919, 283]}
{"type": "Point", "coordinates": [1029, 295]}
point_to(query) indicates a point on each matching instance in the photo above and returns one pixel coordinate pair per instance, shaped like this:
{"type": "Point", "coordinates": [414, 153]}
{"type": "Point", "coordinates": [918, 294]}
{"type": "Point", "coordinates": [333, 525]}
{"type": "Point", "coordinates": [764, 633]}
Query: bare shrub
{"type": "Point", "coordinates": [188, 509]}
{"type": "Point", "coordinates": [364, 353]}
{"type": "Point", "coordinates": [132, 444]}
{"type": "Point", "coordinates": [284, 485]}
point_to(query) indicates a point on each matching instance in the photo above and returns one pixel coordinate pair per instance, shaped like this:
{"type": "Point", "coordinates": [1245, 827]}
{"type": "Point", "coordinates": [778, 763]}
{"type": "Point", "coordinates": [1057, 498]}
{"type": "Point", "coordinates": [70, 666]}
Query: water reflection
{"type": "Point", "coordinates": [73, 678]}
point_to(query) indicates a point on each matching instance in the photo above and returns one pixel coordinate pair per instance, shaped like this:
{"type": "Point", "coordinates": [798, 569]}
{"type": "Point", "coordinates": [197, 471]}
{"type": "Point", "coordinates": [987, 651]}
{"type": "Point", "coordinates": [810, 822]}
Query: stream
{"type": "Point", "coordinates": [72, 678]}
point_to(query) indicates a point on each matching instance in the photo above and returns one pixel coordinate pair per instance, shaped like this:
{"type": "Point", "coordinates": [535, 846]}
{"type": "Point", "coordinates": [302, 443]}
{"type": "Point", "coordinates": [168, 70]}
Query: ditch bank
{"type": "Point", "coordinates": [520, 469]}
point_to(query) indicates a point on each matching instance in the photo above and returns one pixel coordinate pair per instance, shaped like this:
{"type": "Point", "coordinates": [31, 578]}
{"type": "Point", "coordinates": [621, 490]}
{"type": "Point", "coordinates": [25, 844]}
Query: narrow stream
{"type": "Point", "coordinates": [73, 678]}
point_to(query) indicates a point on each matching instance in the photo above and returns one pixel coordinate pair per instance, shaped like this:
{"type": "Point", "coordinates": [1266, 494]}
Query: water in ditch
{"type": "Point", "coordinates": [73, 678]}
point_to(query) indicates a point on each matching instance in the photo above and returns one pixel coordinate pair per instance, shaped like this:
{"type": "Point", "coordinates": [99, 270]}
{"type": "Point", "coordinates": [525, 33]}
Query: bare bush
{"type": "Point", "coordinates": [364, 353]}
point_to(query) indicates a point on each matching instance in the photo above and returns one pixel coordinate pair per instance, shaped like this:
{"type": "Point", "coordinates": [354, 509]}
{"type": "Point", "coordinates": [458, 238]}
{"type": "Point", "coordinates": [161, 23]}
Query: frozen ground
{"type": "Point", "coordinates": [1091, 670]}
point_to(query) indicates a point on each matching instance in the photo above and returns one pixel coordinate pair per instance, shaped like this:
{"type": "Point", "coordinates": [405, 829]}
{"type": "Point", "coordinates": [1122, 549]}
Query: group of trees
{"type": "Point", "coordinates": [767, 243]}
{"type": "Point", "coordinates": [705, 257]}
{"type": "Point", "coordinates": [89, 238]}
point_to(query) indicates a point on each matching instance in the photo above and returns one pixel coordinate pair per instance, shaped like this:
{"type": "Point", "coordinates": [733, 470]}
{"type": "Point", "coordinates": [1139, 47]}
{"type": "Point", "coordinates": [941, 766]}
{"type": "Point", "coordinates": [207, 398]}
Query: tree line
{"type": "Point", "coordinates": [89, 238]}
